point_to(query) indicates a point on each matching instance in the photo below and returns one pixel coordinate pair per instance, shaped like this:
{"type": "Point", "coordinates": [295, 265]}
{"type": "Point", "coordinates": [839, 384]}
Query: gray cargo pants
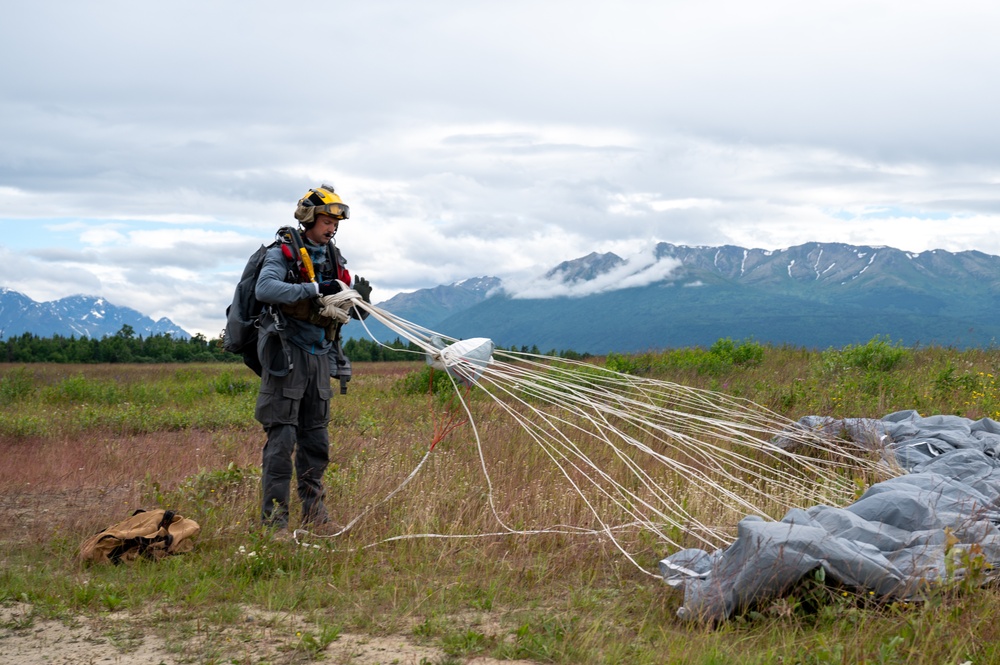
{"type": "Point", "coordinates": [295, 410]}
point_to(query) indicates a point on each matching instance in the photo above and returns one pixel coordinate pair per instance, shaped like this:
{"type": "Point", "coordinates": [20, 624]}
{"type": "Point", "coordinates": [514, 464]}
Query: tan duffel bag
{"type": "Point", "coordinates": [152, 534]}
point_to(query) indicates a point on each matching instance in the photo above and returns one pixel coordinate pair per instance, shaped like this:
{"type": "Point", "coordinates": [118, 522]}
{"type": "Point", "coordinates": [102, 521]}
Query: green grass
{"type": "Point", "coordinates": [88, 444]}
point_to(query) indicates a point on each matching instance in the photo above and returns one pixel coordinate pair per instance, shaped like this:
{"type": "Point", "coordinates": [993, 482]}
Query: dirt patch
{"type": "Point", "coordinates": [124, 639]}
{"type": "Point", "coordinates": [31, 641]}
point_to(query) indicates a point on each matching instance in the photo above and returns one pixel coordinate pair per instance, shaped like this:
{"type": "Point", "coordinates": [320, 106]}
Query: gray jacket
{"type": "Point", "coordinates": [273, 288]}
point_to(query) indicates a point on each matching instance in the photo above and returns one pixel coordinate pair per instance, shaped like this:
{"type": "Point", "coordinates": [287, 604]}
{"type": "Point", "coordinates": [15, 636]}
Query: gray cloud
{"type": "Point", "coordinates": [158, 146]}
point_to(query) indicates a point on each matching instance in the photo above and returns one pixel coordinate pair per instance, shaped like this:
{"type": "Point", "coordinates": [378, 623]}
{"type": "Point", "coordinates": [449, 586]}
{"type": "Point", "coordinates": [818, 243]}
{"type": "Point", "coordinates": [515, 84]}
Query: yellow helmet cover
{"type": "Point", "coordinates": [322, 200]}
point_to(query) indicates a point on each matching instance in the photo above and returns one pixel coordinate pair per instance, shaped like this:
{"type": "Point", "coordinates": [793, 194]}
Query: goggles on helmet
{"type": "Point", "coordinates": [338, 210]}
{"type": "Point", "coordinates": [324, 201]}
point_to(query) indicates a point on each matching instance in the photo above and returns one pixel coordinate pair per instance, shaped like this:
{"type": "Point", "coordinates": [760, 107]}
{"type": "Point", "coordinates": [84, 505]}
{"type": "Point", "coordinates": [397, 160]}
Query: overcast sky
{"type": "Point", "coordinates": [149, 148]}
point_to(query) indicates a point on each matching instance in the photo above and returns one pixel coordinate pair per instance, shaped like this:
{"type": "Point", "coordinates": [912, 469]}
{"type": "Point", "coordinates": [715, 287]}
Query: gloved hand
{"type": "Point", "coordinates": [332, 308]}
{"type": "Point", "coordinates": [329, 288]}
{"type": "Point", "coordinates": [363, 288]}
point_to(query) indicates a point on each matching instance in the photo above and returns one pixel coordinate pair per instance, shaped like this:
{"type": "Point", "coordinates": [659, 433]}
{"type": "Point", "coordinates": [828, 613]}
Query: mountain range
{"type": "Point", "coordinates": [815, 295]}
{"type": "Point", "coordinates": [75, 316]}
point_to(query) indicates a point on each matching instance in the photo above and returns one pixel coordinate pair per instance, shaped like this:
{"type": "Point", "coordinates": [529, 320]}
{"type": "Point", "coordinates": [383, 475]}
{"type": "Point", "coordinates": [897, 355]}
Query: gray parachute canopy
{"type": "Point", "coordinates": [900, 535]}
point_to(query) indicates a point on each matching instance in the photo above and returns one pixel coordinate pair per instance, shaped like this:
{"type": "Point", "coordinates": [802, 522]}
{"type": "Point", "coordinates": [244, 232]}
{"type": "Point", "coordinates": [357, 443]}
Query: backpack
{"type": "Point", "coordinates": [151, 534]}
{"type": "Point", "coordinates": [242, 329]}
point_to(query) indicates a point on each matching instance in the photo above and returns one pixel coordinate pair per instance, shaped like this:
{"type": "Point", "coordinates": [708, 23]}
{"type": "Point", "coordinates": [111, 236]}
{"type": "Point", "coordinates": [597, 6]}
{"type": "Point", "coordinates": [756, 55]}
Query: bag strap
{"type": "Point", "coordinates": [143, 544]}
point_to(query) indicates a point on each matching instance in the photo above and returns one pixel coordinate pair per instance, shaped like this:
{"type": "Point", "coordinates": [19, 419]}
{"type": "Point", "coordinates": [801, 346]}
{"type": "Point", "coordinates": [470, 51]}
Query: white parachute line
{"type": "Point", "coordinates": [533, 428]}
{"type": "Point", "coordinates": [443, 536]}
{"type": "Point", "coordinates": [708, 401]}
{"type": "Point", "coordinates": [553, 451]}
{"type": "Point", "coordinates": [421, 338]}
{"type": "Point", "coordinates": [606, 529]}
{"type": "Point", "coordinates": [677, 438]}
{"type": "Point", "coordinates": [722, 452]}
{"type": "Point", "coordinates": [553, 454]}
{"type": "Point", "coordinates": [770, 421]}
{"type": "Point", "coordinates": [583, 414]}
{"type": "Point", "coordinates": [631, 441]}
{"type": "Point", "coordinates": [657, 492]}
{"type": "Point", "coordinates": [410, 331]}
{"type": "Point", "coordinates": [744, 431]}
{"type": "Point", "coordinates": [369, 508]}
{"type": "Point", "coordinates": [489, 482]}
{"type": "Point", "coordinates": [698, 453]}
{"type": "Point", "coordinates": [715, 423]}
{"type": "Point", "coordinates": [707, 453]}
{"type": "Point", "coordinates": [563, 529]}
{"type": "Point", "coordinates": [664, 496]}
{"type": "Point", "coordinates": [534, 431]}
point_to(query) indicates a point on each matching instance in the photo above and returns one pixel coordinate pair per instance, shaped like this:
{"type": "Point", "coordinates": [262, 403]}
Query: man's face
{"type": "Point", "coordinates": [323, 230]}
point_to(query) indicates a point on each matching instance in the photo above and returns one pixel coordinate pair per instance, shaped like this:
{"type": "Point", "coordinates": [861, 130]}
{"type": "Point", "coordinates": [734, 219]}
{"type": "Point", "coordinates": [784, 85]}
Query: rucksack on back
{"type": "Point", "coordinates": [243, 315]}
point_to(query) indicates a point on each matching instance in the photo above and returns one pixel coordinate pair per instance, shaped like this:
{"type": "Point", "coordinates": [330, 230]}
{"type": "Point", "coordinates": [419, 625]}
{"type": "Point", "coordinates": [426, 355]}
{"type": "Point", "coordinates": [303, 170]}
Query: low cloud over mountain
{"type": "Point", "coordinates": [813, 295]}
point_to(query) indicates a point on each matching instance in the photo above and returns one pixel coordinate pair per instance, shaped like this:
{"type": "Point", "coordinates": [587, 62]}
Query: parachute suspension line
{"type": "Point", "coordinates": [654, 429]}
{"type": "Point", "coordinates": [549, 442]}
{"type": "Point", "coordinates": [605, 529]}
{"type": "Point", "coordinates": [658, 412]}
{"type": "Point", "coordinates": [713, 449]}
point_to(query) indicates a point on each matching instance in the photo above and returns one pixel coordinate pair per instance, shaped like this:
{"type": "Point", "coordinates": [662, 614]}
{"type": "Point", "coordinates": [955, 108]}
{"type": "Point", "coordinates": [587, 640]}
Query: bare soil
{"type": "Point", "coordinates": [121, 638]}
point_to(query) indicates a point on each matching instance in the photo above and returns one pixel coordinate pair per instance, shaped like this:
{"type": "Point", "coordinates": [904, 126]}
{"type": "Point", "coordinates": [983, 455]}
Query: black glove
{"type": "Point", "coordinates": [329, 288]}
{"type": "Point", "coordinates": [363, 288]}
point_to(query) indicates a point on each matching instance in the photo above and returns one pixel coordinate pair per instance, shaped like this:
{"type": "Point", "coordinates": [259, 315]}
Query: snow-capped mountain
{"type": "Point", "coordinates": [814, 295]}
{"type": "Point", "coordinates": [76, 316]}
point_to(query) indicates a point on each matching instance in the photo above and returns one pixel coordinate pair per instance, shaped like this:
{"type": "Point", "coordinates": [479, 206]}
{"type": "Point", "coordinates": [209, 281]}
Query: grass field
{"type": "Point", "coordinates": [83, 446]}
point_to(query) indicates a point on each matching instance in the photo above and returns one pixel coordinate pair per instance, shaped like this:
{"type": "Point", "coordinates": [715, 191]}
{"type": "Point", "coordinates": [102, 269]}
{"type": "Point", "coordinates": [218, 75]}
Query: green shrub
{"type": "Point", "coordinates": [426, 380]}
{"type": "Point", "coordinates": [228, 384]}
{"type": "Point", "coordinates": [721, 357]}
{"type": "Point", "coordinates": [16, 385]}
{"type": "Point", "coordinates": [627, 364]}
{"type": "Point", "coordinates": [745, 353]}
{"type": "Point", "coordinates": [879, 355]}
{"type": "Point", "coordinates": [78, 389]}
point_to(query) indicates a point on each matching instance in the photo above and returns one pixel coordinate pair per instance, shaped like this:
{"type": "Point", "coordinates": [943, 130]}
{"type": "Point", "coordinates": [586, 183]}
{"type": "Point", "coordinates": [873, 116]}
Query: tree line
{"type": "Point", "coordinates": [122, 347]}
{"type": "Point", "coordinates": [127, 347]}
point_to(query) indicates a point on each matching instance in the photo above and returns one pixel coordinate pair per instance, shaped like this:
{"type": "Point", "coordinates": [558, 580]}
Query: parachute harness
{"type": "Point", "coordinates": [706, 448]}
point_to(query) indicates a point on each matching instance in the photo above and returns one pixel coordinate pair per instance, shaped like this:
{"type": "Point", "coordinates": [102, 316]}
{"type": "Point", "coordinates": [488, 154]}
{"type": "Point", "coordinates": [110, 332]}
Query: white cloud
{"type": "Point", "coordinates": [639, 270]}
{"type": "Point", "coordinates": [152, 162]}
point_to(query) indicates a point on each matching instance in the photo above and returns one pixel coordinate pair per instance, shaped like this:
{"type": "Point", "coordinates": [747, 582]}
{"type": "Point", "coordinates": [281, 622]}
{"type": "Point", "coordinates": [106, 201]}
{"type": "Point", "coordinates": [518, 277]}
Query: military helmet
{"type": "Point", "coordinates": [322, 200]}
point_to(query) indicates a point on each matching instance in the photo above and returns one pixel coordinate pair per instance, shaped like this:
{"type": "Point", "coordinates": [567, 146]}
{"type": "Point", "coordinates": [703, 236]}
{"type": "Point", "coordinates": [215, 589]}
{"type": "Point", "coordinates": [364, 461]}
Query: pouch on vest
{"type": "Point", "coordinates": [272, 347]}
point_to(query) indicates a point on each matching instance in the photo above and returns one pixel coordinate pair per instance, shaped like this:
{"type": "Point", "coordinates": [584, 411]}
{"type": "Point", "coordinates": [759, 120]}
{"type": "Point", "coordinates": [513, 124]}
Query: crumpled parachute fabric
{"type": "Point", "coordinates": [892, 541]}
